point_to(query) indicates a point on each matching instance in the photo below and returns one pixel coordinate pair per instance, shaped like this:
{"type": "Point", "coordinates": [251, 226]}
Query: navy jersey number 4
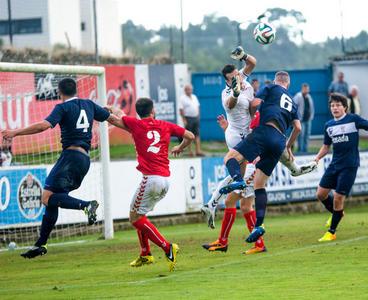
{"type": "Point", "coordinates": [277, 105]}
{"type": "Point", "coordinates": [75, 118]}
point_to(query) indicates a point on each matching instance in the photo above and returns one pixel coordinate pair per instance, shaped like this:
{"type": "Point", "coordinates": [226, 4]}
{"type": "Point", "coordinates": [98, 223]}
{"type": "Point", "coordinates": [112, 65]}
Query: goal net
{"type": "Point", "coordinates": [28, 93]}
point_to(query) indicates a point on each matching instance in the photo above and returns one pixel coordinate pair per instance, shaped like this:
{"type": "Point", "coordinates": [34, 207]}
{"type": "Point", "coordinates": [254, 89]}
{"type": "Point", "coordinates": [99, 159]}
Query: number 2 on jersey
{"type": "Point", "coordinates": [153, 134]}
{"type": "Point", "coordinates": [286, 102]}
{"type": "Point", "coordinates": [82, 122]}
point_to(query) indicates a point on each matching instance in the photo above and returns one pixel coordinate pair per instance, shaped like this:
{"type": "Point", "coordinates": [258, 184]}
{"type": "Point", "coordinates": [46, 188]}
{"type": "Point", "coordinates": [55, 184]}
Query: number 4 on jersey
{"type": "Point", "coordinates": [82, 122]}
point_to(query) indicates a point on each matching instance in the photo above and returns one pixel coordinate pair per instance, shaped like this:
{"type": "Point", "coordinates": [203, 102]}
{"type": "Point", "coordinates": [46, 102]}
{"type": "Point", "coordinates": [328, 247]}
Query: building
{"type": "Point", "coordinates": [45, 23]}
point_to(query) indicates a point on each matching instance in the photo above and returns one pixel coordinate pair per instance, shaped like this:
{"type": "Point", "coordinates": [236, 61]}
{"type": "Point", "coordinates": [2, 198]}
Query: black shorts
{"type": "Point", "coordinates": [267, 143]}
{"type": "Point", "coordinates": [340, 180]}
{"type": "Point", "coordinates": [68, 172]}
{"type": "Point", "coordinates": [193, 125]}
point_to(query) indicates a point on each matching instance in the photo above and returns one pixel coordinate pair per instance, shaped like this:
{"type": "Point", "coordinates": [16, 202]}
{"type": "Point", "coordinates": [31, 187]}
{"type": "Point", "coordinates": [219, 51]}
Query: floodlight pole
{"type": "Point", "coordinates": [10, 23]}
{"type": "Point", "coordinates": [181, 32]}
{"type": "Point", "coordinates": [97, 57]}
{"type": "Point", "coordinates": [238, 33]}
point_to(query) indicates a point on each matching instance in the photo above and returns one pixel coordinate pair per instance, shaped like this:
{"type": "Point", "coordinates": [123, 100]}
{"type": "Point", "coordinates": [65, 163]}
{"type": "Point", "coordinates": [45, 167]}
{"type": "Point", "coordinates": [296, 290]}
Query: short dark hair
{"type": "Point", "coordinates": [255, 80]}
{"type": "Point", "coordinates": [67, 86]}
{"type": "Point", "coordinates": [227, 69]}
{"type": "Point", "coordinates": [336, 97]}
{"type": "Point", "coordinates": [144, 107]}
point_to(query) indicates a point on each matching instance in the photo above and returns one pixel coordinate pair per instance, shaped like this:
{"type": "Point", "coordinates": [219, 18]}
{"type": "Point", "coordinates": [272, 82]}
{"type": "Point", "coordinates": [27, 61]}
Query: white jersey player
{"type": "Point", "coordinates": [237, 127]}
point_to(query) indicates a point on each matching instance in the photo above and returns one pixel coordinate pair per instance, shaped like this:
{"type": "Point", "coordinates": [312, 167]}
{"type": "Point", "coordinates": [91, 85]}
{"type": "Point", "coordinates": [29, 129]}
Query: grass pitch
{"type": "Point", "coordinates": [296, 266]}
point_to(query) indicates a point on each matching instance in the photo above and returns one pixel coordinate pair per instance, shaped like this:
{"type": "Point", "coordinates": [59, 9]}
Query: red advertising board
{"type": "Point", "coordinates": [22, 105]}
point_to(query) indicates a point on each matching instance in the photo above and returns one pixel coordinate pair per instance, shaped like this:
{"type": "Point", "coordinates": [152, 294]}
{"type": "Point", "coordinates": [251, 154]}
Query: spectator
{"type": "Point", "coordinates": [305, 105]}
{"type": "Point", "coordinates": [354, 101]}
{"type": "Point", "coordinates": [190, 113]}
{"type": "Point", "coordinates": [340, 86]}
{"type": "Point", "coordinates": [255, 85]}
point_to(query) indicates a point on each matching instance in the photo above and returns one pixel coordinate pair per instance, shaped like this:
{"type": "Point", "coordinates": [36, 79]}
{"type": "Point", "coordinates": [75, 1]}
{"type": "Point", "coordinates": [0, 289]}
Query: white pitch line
{"type": "Point", "coordinates": [184, 273]}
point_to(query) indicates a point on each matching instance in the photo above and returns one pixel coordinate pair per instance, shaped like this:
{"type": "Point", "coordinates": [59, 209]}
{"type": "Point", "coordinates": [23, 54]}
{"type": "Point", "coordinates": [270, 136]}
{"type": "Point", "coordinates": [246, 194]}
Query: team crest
{"type": "Point", "coordinates": [29, 197]}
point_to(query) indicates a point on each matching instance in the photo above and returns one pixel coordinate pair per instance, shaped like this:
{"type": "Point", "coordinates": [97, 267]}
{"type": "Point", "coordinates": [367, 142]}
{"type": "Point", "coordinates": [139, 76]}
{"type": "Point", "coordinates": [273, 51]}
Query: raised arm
{"type": "Point", "coordinates": [250, 61]}
{"type": "Point", "coordinates": [31, 129]}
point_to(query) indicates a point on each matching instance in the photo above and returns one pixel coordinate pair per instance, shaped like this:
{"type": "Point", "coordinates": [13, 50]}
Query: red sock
{"type": "Point", "coordinates": [227, 223]}
{"type": "Point", "coordinates": [251, 218]}
{"type": "Point", "coordinates": [145, 246]}
{"type": "Point", "coordinates": [148, 229]}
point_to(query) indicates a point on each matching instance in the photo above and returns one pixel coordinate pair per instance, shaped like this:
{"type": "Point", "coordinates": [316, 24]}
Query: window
{"type": "Point", "coordinates": [83, 26]}
{"type": "Point", "coordinates": [22, 26]}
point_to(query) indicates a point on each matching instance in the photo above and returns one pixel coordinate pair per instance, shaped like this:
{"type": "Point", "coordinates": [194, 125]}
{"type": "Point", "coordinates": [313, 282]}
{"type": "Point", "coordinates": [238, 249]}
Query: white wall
{"type": "Point", "coordinates": [109, 28]}
{"type": "Point", "coordinates": [22, 9]}
{"type": "Point", "coordinates": [60, 16]}
{"type": "Point", "coordinates": [64, 18]}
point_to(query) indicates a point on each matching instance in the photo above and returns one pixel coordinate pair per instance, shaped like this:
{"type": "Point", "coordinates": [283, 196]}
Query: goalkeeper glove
{"type": "Point", "coordinates": [238, 54]}
{"type": "Point", "coordinates": [235, 86]}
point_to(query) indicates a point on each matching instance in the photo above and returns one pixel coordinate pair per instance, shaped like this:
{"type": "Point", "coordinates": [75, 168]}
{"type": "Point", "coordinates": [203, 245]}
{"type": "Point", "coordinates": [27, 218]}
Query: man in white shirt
{"type": "Point", "coordinates": [190, 113]}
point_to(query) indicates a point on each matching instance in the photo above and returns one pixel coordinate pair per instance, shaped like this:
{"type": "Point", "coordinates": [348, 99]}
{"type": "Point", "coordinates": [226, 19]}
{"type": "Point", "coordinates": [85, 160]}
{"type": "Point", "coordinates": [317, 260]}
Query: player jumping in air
{"type": "Point", "coordinates": [278, 112]}
{"type": "Point", "coordinates": [237, 128]}
{"type": "Point", "coordinates": [343, 133]}
{"type": "Point", "coordinates": [152, 139]}
{"type": "Point", "coordinates": [75, 117]}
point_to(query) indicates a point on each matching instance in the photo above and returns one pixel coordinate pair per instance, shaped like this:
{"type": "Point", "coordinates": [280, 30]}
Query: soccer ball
{"type": "Point", "coordinates": [264, 33]}
{"type": "Point", "coordinates": [12, 246]}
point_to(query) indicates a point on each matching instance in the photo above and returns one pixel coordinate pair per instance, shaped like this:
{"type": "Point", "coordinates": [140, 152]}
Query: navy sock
{"type": "Point", "coordinates": [63, 200]}
{"type": "Point", "coordinates": [233, 167]}
{"type": "Point", "coordinates": [48, 222]}
{"type": "Point", "coordinates": [328, 203]}
{"type": "Point", "coordinates": [261, 205]}
{"type": "Point", "coordinates": [336, 218]}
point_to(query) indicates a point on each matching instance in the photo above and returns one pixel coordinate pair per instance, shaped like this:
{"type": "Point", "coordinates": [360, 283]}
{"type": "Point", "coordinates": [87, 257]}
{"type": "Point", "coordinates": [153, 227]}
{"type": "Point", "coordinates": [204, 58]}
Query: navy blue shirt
{"type": "Point", "coordinates": [344, 135]}
{"type": "Point", "coordinates": [277, 105]}
{"type": "Point", "coordinates": [75, 117]}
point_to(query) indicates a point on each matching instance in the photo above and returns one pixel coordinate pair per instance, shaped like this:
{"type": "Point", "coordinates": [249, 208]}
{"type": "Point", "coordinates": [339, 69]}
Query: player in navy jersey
{"type": "Point", "coordinates": [278, 112]}
{"type": "Point", "coordinates": [343, 133]}
{"type": "Point", "coordinates": [75, 117]}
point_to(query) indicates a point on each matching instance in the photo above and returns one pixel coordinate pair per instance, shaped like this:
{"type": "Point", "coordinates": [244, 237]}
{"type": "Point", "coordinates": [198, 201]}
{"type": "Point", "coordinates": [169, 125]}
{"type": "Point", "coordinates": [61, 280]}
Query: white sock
{"type": "Point", "coordinates": [216, 196]}
{"type": "Point", "coordinates": [291, 165]}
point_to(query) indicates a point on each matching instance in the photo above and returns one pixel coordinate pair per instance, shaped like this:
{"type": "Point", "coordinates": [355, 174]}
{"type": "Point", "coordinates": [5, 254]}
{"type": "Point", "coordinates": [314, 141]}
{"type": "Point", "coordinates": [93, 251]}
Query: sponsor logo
{"type": "Point", "coordinates": [340, 139]}
{"type": "Point", "coordinates": [29, 197]}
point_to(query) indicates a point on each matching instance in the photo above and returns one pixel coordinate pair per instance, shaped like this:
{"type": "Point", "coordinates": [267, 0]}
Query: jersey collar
{"type": "Point", "coordinates": [338, 119]}
{"type": "Point", "coordinates": [70, 99]}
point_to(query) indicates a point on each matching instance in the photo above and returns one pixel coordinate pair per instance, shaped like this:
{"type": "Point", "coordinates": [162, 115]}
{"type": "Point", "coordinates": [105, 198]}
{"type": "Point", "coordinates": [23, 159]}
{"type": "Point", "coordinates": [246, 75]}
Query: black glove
{"type": "Point", "coordinates": [238, 54]}
{"type": "Point", "coordinates": [235, 86]}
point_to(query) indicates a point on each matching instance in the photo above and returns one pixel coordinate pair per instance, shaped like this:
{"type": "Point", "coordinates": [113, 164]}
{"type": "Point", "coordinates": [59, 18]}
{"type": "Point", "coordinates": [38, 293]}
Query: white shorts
{"type": "Point", "coordinates": [233, 137]}
{"type": "Point", "coordinates": [248, 178]}
{"type": "Point", "coordinates": [151, 190]}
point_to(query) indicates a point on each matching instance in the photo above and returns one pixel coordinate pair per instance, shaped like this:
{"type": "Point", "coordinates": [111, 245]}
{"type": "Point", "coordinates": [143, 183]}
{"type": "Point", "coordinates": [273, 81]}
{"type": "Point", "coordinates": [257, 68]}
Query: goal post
{"type": "Point", "coordinates": [94, 79]}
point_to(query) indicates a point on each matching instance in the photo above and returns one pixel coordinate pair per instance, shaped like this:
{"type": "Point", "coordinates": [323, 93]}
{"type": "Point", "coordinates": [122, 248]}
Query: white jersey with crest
{"type": "Point", "coordinates": [238, 117]}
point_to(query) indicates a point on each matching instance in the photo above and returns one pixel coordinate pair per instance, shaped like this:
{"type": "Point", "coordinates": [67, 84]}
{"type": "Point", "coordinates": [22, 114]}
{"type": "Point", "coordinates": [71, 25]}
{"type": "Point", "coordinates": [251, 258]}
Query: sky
{"type": "Point", "coordinates": [323, 16]}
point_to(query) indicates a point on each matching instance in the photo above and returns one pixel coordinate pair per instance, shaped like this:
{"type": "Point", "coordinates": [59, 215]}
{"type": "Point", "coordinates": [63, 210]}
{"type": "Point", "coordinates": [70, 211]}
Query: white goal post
{"type": "Point", "coordinates": [99, 72]}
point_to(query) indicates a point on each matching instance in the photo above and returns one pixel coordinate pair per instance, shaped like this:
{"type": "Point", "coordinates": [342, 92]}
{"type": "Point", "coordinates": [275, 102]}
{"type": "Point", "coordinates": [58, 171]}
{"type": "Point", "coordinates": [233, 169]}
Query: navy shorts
{"type": "Point", "coordinates": [68, 172]}
{"type": "Point", "coordinates": [340, 180]}
{"type": "Point", "coordinates": [267, 143]}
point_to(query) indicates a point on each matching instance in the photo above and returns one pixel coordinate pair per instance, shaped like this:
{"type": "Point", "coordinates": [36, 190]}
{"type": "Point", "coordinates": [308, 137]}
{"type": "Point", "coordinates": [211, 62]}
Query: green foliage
{"type": "Point", "coordinates": [207, 45]}
{"type": "Point", "coordinates": [296, 266]}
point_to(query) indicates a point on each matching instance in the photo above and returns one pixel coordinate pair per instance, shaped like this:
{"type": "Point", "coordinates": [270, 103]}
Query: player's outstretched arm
{"type": "Point", "coordinates": [250, 61]}
{"type": "Point", "coordinates": [31, 129]}
{"type": "Point", "coordinates": [116, 121]}
{"type": "Point", "coordinates": [322, 152]}
{"type": "Point", "coordinates": [188, 138]}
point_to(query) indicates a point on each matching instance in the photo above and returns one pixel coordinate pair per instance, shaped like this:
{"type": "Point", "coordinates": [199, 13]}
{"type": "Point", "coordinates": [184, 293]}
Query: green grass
{"type": "Point", "coordinates": [295, 267]}
{"type": "Point", "coordinates": [117, 152]}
